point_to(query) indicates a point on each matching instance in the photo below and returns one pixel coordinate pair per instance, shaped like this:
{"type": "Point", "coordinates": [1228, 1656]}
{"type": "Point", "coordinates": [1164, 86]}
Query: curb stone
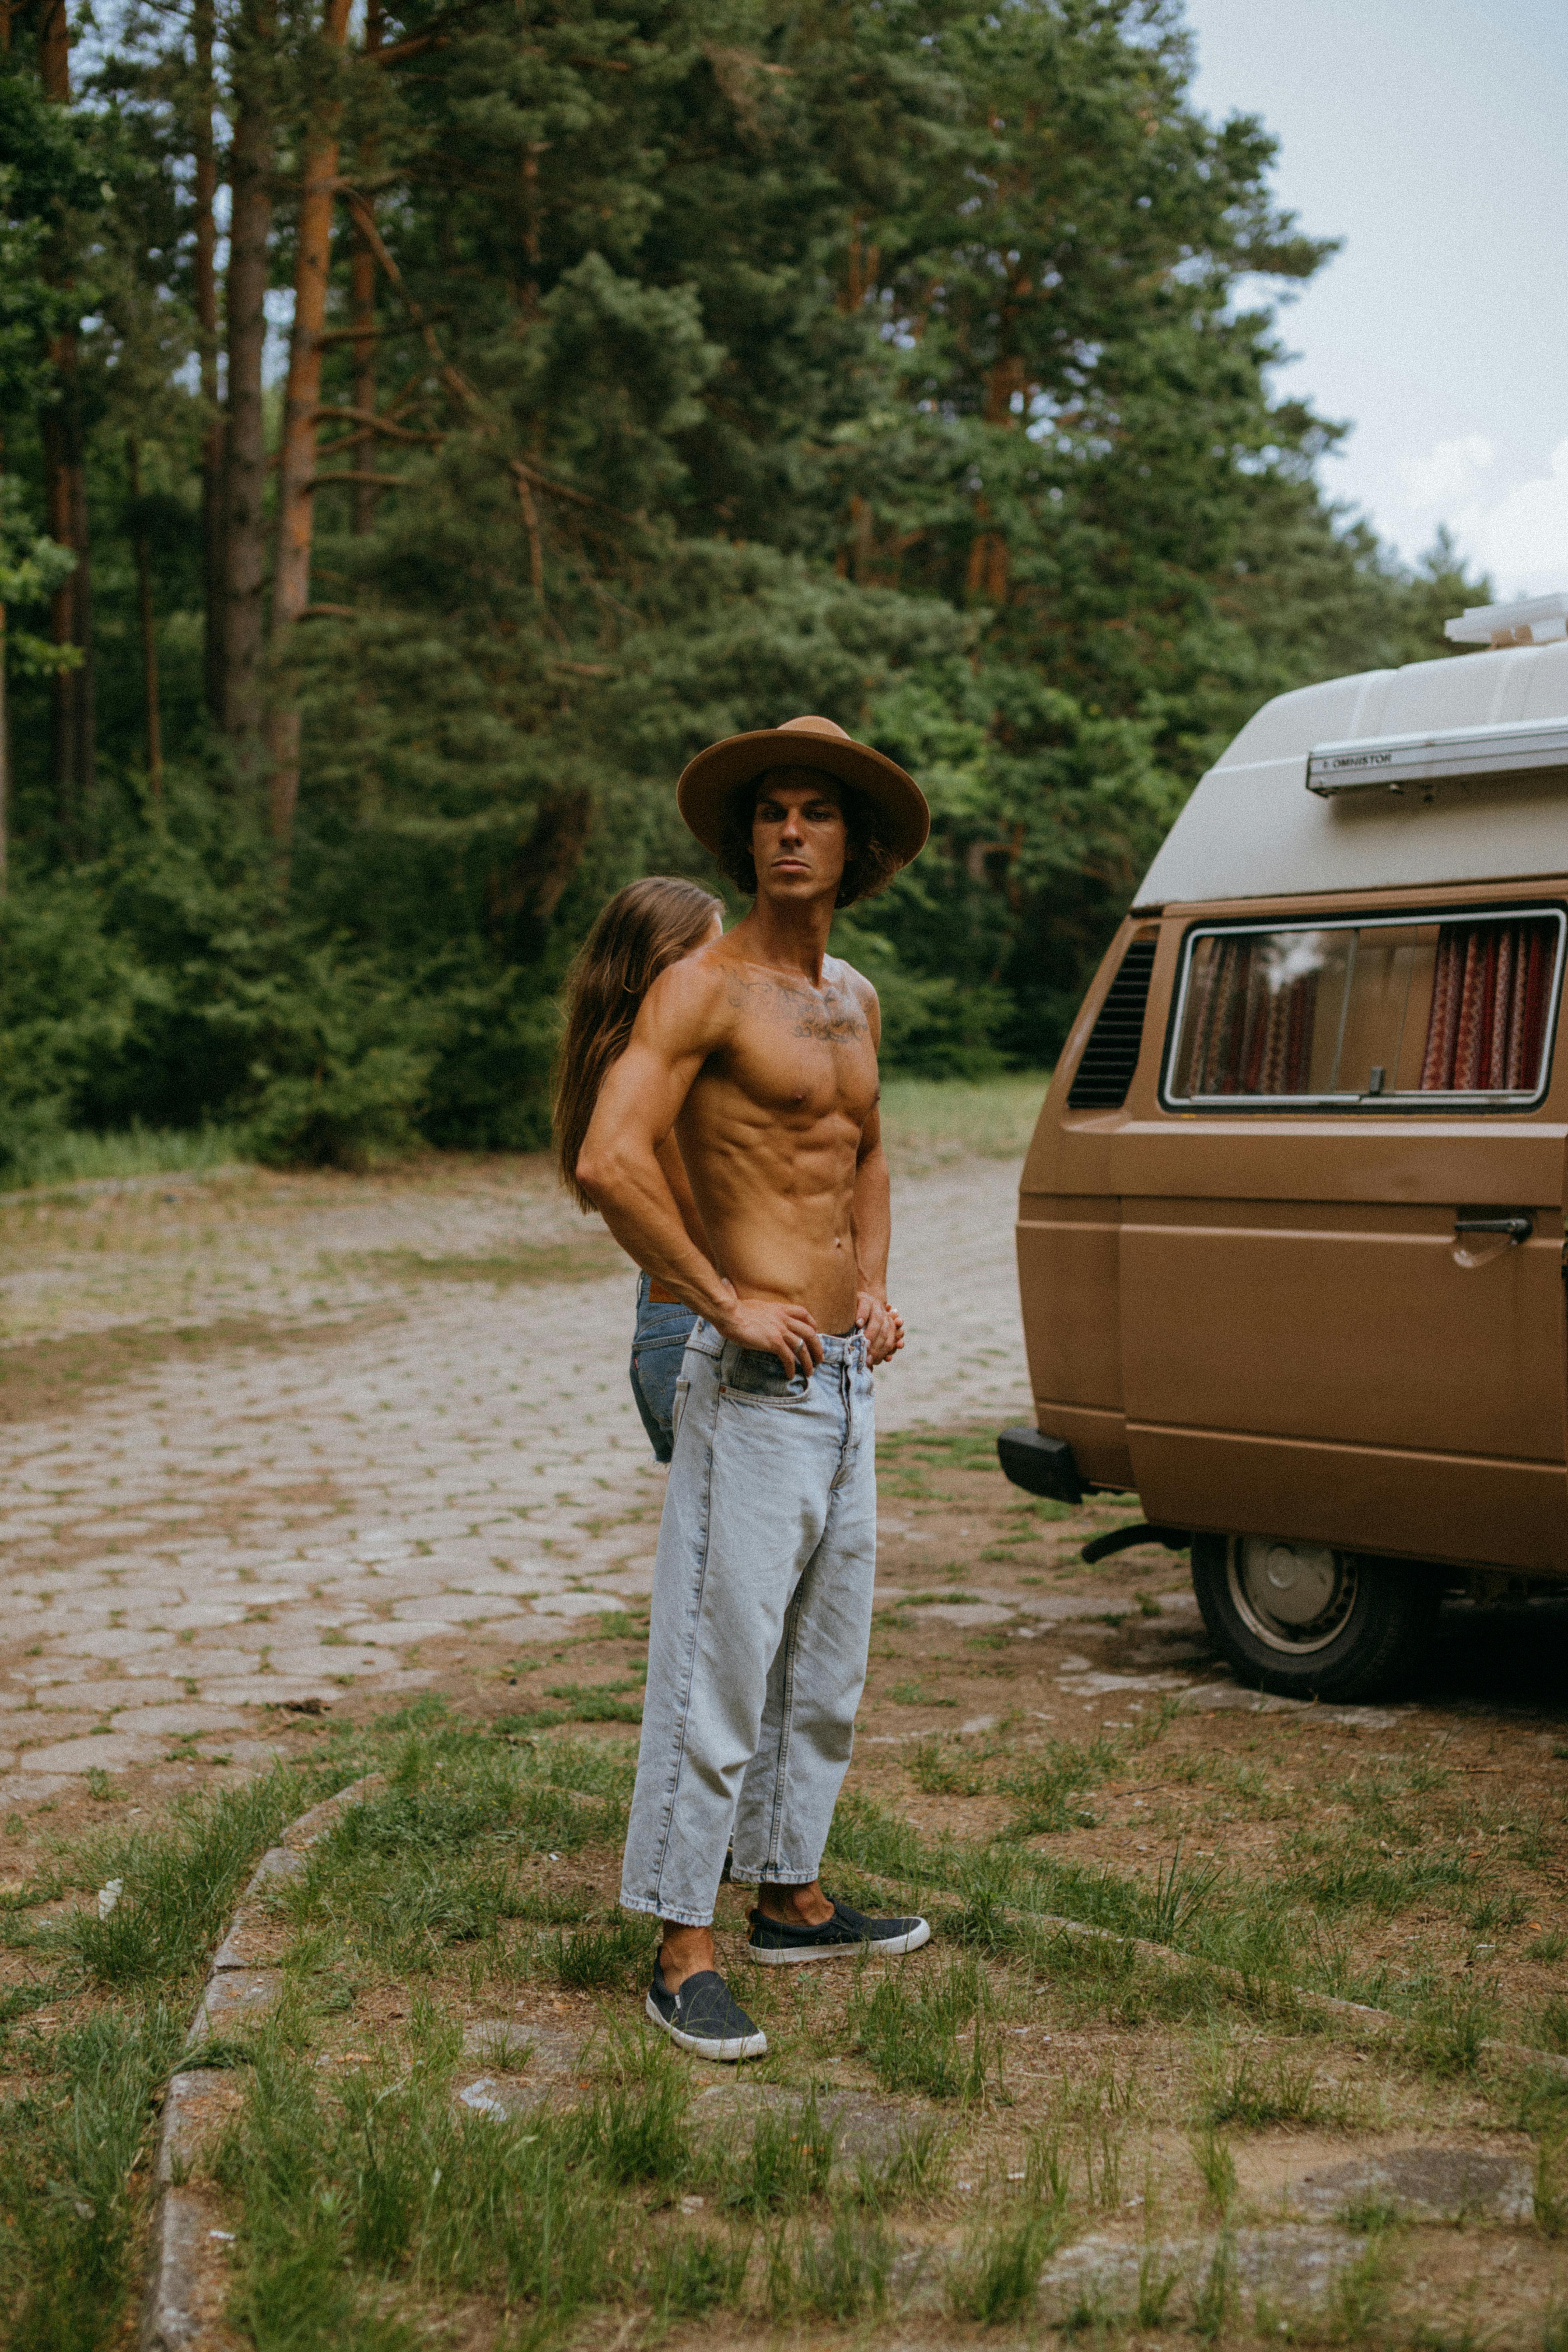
{"type": "Point", "coordinates": [188, 2276]}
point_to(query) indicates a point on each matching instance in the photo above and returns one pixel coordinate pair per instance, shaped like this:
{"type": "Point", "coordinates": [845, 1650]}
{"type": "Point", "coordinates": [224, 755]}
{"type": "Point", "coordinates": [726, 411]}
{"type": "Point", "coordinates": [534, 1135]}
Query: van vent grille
{"type": "Point", "coordinates": [1111, 1057]}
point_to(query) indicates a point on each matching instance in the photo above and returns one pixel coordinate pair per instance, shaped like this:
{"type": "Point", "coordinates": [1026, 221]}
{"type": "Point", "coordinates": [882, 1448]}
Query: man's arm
{"type": "Point", "coordinates": [682, 1021]}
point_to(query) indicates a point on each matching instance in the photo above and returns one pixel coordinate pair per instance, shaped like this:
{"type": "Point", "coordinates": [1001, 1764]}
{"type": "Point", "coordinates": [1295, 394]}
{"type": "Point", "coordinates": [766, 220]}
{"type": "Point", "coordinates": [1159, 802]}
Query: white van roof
{"type": "Point", "coordinates": [1253, 830]}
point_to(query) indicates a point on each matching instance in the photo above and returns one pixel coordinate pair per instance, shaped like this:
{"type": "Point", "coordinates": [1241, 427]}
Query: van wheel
{"type": "Point", "coordinates": [1307, 1622]}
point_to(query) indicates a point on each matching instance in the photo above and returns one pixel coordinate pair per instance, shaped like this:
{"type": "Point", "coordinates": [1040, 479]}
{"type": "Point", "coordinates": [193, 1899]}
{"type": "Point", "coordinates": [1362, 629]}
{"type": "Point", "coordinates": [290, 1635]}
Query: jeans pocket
{"type": "Point", "coordinates": [761, 1377]}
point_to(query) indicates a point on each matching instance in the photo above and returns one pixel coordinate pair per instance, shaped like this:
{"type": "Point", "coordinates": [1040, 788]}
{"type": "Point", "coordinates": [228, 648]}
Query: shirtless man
{"type": "Point", "coordinates": [758, 1054]}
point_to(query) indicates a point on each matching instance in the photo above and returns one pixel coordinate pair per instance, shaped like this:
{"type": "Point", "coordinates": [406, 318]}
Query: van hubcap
{"type": "Point", "coordinates": [1293, 1596]}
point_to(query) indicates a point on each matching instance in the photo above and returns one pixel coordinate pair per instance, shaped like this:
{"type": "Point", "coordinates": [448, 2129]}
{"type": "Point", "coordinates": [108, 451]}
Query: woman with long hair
{"type": "Point", "coordinates": [646, 928]}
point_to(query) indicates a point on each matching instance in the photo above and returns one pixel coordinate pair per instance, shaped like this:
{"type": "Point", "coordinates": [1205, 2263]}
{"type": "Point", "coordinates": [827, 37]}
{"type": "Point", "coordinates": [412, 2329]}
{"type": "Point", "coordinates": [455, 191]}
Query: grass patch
{"type": "Point", "coordinates": [908, 2033]}
{"type": "Point", "coordinates": [998, 2273]}
{"type": "Point", "coordinates": [788, 2161]}
{"type": "Point", "coordinates": [527, 1263]}
{"type": "Point", "coordinates": [934, 1120]}
{"type": "Point", "coordinates": [121, 1988]}
{"type": "Point", "coordinates": [1254, 2094]}
{"type": "Point", "coordinates": [73, 1156]}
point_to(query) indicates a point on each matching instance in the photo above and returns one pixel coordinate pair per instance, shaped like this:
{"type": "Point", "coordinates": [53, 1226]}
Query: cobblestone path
{"type": "Point", "coordinates": [266, 1439]}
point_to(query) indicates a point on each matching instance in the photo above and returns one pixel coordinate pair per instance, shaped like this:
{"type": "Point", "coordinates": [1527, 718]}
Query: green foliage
{"type": "Point", "coordinates": [66, 2232]}
{"type": "Point", "coordinates": [788, 2162]}
{"type": "Point", "coordinates": [886, 363]}
{"type": "Point", "coordinates": [909, 2037]}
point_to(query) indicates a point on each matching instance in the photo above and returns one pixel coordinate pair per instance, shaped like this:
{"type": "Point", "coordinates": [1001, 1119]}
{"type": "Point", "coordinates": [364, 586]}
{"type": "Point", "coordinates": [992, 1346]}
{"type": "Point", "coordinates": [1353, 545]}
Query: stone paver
{"type": "Point", "coordinates": [381, 1448]}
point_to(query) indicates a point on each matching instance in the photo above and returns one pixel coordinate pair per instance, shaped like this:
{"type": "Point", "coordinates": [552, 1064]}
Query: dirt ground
{"type": "Point", "coordinates": [1039, 1741]}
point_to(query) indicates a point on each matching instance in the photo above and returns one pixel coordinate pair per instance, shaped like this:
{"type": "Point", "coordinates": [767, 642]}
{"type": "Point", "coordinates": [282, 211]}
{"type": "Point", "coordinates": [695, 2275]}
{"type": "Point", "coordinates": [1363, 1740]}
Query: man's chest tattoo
{"type": "Point", "coordinates": [831, 1018]}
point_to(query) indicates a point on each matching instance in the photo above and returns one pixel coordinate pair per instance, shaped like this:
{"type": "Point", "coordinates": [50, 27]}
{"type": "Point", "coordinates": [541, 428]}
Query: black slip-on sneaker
{"type": "Point", "coordinates": [702, 2016]}
{"type": "Point", "coordinates": [777, 1944]}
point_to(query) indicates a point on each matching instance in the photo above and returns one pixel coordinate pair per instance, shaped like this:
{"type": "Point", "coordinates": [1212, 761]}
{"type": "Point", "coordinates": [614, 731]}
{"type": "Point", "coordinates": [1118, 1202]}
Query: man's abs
{"type": "Point", "coordinates": [776, 1199]}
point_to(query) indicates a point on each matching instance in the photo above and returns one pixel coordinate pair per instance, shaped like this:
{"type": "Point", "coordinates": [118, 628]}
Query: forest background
{"type": "Point", "coordinates": [656, 369]}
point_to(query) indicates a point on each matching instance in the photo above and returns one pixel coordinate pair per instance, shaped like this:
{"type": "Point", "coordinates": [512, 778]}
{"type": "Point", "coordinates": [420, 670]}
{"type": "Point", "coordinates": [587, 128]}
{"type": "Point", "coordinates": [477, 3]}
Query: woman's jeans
{"type": "Point", "coordinates": [762, 1619]}
{"type": "Point", "coordinates": [658, 1345]}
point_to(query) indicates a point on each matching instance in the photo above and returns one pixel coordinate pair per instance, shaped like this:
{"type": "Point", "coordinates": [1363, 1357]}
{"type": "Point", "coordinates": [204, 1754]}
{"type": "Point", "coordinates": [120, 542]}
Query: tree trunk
{"type": "Point", "coordinates": [245, 469]}
{"type": "Point", "coordinates": [296, 460]}
{"type": "Point", "coordinates": [986, 573]}
{"type": "Point", "coordinates": [362, 305]}
{"type": "Point", "coordinates": [214, 600]}
{"type": "Point", "coordinates": [65, 495]}
{"type": "Point", "coordinates": [143, 552]}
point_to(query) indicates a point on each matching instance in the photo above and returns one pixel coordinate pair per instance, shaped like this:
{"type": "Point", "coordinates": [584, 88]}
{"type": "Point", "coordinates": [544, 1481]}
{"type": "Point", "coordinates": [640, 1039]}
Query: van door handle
{"type": "Point", "coordinates": [1513, 1229]}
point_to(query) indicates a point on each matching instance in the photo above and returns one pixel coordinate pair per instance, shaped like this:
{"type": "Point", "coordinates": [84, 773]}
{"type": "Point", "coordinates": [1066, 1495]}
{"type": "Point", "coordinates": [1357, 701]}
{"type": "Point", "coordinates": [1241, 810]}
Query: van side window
{"type": "Point", "coordinates": [1381, 1010]}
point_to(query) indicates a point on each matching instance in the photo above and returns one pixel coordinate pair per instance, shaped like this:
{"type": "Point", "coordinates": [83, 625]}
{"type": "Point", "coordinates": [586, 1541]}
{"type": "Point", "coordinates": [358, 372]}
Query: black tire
{"type": "Point", "coordinates": [1306, 1621]}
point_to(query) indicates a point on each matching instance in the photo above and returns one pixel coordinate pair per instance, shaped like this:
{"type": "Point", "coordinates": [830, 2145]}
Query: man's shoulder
{"type": "Point", "coordinates": [844, 975]}
{"type": "Point", "coordinates": [691, 996]}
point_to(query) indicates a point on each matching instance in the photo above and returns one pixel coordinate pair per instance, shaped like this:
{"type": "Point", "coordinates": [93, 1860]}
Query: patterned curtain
{"type": "Point", "coordinates": [1489, 1007]}
{"type": "Point", "coordinates": [1250, 1026]}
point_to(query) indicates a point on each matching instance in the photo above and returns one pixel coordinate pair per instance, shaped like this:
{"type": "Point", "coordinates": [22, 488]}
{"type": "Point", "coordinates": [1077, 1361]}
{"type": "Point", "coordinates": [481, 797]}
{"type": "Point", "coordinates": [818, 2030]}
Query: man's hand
{"type": "Point", "coordinates": [789, 1333]}
{"type": "Point", "coordinates": [883, 1326]}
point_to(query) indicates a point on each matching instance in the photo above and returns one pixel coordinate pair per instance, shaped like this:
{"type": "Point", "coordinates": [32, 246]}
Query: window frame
{"type": "Point", "coordinates": [1434, 1102]}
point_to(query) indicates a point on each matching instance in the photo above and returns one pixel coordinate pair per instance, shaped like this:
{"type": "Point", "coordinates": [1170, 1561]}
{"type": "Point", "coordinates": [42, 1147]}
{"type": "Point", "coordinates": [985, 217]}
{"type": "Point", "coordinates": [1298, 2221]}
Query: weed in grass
{"type": "Point", "coordinates": [1359, 2306]}
{"type": "Point", "coordinates": [911, 2037]}
{"type": "Point", "coordinates": [867, 1838]}
{"type": "Point", "coordinates": [1156, 2284]}
{"type": "Point", "coordinates": [1180, 1895]}
{"type": "Point", "coordinates": [1216, 2168]}
{"type": "Point", "coordinates": [1047, 1782]}
{"type": "Point", "coordinates": [997, 2273]}
{"type": "Point", "coordinates": [1450, 2026]}
{"type": "Point", "coordinates": [1549, 1948]}
{"type": "Point", "coordinates": [546, 1908]}
{"type": "Point", "coordinates": [1547, 2028]}
{"type": "Point", "coordinates": [179, 1885]}
{"type": "Point", "coordinates": [690, 2276]}
{"type": "Point", "coordinates": [840, 2273]}
{"type": "Point", "coordinates": [588, 1703]}
{"type": "Point", "coordinates": [916, 2172]}
{"type": "Point", "coordinates": [1539, 2103]}
{"type": "Point", "coordinates": [590, 1960]}
{"type": "Point", "coordinates": [985, 1922]}
{"type": "Point", "coordinates": [1367, 2216]}
{"type": "Point", "coordinates": [1046, 2171]}
{"type": "Point", "coordinates": [64, 2251]}
{"type": "Point", "coordinates": [639, 2128]}
{"type": "Point", "coordinates": [1213, 2301]}
{"type": "Point", "coordinates": [1498, 1911]}
{"type": "Point", "coordinates": [788, 2162]}
{"type": "Point", "coordinates": [1245, 2093]}
{"type": "Point", "coordinates": [938, 1769]}
{"type": "Point", "coordinates": [916, 1694]}
{"type": "Point", "coordinates": [1551, 2200]}
{"type": "Point", "coordinates": [339, 2199]}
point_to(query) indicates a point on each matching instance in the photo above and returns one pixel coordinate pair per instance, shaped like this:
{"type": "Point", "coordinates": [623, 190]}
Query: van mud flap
{"type": "Point", "coordinates": [1041, 1466]}
{"type": "Point", "coordinates": [1141, 1532]}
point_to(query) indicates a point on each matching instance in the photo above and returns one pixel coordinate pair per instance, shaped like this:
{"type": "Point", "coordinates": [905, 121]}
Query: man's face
{"type": "Point", "coordinates": [798, 836]}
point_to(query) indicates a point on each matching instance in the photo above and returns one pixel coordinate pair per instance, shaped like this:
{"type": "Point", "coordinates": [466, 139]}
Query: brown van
{"type": "Point", "coordinates": [1291, 1229]}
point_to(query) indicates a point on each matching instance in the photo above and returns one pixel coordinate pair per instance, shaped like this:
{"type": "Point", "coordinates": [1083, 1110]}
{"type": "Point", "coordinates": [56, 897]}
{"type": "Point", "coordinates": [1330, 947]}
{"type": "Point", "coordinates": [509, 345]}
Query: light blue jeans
{"type": "Point", "coordinates": [761, 1618]}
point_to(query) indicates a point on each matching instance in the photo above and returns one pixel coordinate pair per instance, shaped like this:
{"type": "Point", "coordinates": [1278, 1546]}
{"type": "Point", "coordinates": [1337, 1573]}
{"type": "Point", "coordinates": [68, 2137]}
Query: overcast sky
{"type": "Point", "coordinates": [1430, 135]}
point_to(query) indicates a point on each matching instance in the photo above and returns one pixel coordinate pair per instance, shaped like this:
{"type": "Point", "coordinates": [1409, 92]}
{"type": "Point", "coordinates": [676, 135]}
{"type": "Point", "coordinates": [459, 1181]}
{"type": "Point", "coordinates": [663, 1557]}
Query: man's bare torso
{"type": "Point", "coordinates": [772, 1128]}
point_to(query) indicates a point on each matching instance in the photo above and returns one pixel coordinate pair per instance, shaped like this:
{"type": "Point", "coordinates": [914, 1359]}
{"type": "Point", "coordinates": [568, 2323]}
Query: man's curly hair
{"type": "Point", "coordinates": [870, 862]}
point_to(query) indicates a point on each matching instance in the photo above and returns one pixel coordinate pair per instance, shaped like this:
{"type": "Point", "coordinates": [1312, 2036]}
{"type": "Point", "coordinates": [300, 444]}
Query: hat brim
{"type": "Point", "coordinates": [703, 795]}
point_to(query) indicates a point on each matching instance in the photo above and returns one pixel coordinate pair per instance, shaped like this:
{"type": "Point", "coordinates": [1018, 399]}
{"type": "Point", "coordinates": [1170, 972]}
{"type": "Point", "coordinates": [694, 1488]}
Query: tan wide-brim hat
{"type": "Point", "coordinates": [703, 795]}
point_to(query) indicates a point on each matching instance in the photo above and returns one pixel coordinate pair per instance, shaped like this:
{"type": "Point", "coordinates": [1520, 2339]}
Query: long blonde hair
{"type": "Point", "coordinates": [646, 928]}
